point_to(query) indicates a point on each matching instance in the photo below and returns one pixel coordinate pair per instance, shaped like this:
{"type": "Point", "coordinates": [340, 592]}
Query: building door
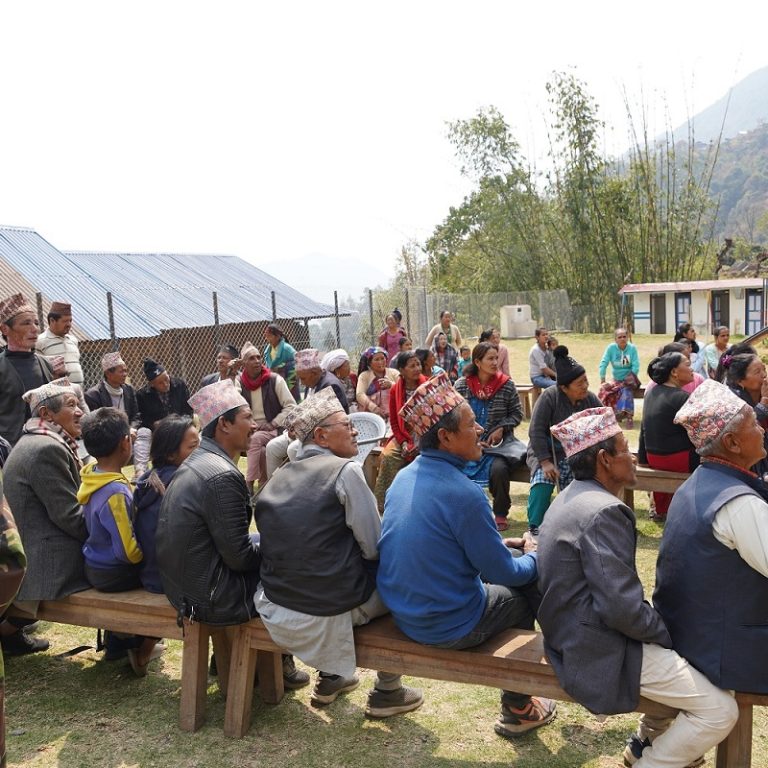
{"type": "Point", "coordinates": [682, 309]}
{"type": "Point", "coordinates": [754, 303]}
{"type": "Point", "coordinates": [721, 314]}
{"type": "Point", "coordinates": [658, 313]}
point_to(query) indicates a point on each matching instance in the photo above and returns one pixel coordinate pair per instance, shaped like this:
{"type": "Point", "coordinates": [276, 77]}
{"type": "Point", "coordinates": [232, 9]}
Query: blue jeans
{"type": "Point", "coordinates": [543, 381]}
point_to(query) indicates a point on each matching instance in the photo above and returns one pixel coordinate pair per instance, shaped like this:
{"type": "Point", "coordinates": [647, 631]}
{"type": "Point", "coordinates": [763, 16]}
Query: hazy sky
{"type": "Point", "coordinates": [283, 130]}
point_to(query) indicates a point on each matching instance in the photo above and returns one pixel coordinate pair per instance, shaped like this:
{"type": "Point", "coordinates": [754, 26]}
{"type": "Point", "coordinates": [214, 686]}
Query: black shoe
{"type": "Point", "coordinates": [21, 644]}
{"type": "Point", "coordinates": [293, 678]}
{"type": "Point", "coordinates": [534, 530]}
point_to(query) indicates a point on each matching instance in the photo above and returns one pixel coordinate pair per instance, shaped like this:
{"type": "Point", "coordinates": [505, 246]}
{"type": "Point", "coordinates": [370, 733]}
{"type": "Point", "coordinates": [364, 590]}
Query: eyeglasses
{"type": "Point", "coordinates": [346, 423]}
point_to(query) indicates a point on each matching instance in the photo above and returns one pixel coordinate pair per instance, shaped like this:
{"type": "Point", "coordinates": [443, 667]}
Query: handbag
{"type": "Point", "coordinates": [510, 448]}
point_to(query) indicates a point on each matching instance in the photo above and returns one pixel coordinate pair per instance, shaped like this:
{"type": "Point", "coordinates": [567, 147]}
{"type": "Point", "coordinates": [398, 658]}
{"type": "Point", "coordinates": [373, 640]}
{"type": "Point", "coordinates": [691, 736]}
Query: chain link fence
{"type": "Point", "coordinates": [190, 352]}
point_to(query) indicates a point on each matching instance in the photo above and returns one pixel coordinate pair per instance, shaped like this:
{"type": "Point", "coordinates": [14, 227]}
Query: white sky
{"type": "Point", "coordinates": [286, 130]}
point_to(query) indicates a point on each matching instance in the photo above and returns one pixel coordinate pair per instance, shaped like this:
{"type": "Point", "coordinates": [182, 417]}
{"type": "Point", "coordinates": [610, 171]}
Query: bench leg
{"type": "Point", "coordinates": [237, 716]}
{"type": "Point", "coordinates": [222, 647]}
{"type": "Point", "coordinates": [735, 751]}
{"type": "Point", "coordinates": [271, 684]}
{"type": "Point", "coordinates": [526, 407]}
{"type": "Point", "coordinates": [629, 498]}
{"type": "Point", "coordinates": [194, 677]}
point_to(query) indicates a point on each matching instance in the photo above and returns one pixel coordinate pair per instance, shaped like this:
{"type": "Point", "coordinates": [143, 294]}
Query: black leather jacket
{"type": "Point", "coordinates": [208, 564]}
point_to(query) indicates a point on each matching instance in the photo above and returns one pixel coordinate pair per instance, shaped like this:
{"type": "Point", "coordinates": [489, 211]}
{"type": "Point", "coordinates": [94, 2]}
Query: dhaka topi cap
{"type": "Point", "coordinates": [334, 359]}
{"type": "Point", "coordinates": [14, 305]}
{"type": "Point", "coordinates": [60, 308]}
{"type": "Point", "coordinates": [429, 403]}
{"type": "Point", "coordinates": [248, 350]}
{"type": "Point", "coordinates": [708, 411]}
{"type": "Point", "coordinates": [37, 397]}
{"type": "Point", "coordinates": [586, 428]}
{"type": "Point", "coordinates": [215, 400]}
{"type": "Point", "coordinates": [152, 369]}
{"type": "Point", "coordinates": [566, 368]}
{"type": "Point", "coordinates": [56, 361]}
{"type": "Point", "coordinates": [111, 360]}
{"type": "Point", "coordinates": [307, 359]}
{"type": "Point", "coordinates": [303, 418]}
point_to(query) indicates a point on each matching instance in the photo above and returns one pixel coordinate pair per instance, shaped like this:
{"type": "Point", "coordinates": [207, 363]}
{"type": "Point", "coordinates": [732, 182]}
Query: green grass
{"type": "Point", "coordinates": [85, 712]}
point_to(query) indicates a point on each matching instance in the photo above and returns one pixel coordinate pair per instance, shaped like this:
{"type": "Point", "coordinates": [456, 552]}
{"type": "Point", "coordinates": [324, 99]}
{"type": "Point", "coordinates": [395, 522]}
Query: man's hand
{"type": "Point", "coordinates": [550, 470]}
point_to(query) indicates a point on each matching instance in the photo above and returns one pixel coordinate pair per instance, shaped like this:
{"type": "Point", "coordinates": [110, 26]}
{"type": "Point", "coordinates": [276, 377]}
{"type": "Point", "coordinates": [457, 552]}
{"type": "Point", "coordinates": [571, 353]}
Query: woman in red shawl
{"type": "Point", "coordinates": [493, 397]}
{"type": "Point", "coordinates": [400, 450]}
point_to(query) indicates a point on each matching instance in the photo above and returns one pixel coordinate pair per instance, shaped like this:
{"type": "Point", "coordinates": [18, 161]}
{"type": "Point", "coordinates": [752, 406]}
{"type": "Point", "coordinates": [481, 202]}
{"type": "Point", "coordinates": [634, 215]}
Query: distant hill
{"type": "Point", "coordinates": [743, 109]}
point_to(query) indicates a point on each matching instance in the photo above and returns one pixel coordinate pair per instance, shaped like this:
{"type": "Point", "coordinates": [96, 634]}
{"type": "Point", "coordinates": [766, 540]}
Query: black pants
{"type": "Point", "coordinates": [120, 578]}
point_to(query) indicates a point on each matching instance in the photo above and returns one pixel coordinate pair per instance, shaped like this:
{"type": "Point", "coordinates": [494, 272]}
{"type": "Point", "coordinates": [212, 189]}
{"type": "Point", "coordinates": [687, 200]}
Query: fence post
{"type": "Point", "coordinates": [370, 316]}
{"type": "Point", "coordinates": [336, 313]}
{"type": "Point", "coordinates": [274, 307]}
{"type": "Point", "coordinates": [111, 315]}
{"type": "Point", "coordinates": [407, 312]}
{"type": "Point", "coordinates": [426, 315]}
{"type": "Point", "coordinates": [39, 297]}
{"type": "Point", "coordinates": [216, 329]}
{"type": "Point", "coordinates": [306, 332]}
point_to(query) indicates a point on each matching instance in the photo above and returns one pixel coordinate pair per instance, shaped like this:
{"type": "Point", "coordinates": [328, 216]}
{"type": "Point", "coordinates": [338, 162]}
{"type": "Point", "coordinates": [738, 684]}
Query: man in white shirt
{"type": "Point", "coordinates": [540, 362]}
{"type": "Point", "coordinates": [57, 340]}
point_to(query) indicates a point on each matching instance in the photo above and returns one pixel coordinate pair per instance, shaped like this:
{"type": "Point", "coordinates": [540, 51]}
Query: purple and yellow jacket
{"type": "Point", "coordinates": [107, 500]}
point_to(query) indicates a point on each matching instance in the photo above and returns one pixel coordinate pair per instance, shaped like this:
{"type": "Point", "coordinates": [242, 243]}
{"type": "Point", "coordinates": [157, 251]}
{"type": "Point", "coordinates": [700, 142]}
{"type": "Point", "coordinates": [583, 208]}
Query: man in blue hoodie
{"type": "Point", "coordinates": [445, 572]}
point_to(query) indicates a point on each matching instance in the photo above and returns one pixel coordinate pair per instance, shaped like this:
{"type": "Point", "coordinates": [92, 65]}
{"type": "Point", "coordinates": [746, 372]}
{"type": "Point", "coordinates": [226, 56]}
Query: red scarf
{"type": "Point", "coordinates": [490, 389]}
{"type": "Point", "coordinates": [251, 384]}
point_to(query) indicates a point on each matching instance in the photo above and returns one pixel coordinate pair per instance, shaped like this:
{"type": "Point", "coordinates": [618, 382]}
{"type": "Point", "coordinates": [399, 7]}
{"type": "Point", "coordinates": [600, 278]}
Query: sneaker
{"type": "Point", "coordinates": [21, 644]}
{"type": "Point", "coordinates": [501, 523]}
{"type": "Point", "coordinates": [293, 678]}
{"type": "Point", "coordinates": [534, 714]}
{"type": "Point", "coordinates": [533, 530]}
{"type": "Point", "coordinates": [328, 687]}
{"type": "Point", "coordinates": [634, 751]}
{"type": "Point", "coordinates": [388, 703]}
{"type": "Point", "coordinates": [630, 423]}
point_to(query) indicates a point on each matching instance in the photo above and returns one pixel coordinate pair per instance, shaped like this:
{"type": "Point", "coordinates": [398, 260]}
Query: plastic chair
{"type": "Point", "coordinates": [371, 428]}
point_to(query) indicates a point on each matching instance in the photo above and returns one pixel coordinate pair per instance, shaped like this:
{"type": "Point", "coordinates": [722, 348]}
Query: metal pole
{"type": "Point", "coordinates": [370, 316]}
{"type": "Point", "coordinates": [336, 311]}
{"type": "Point", "coordinates": [407, 311]}
{"type": "Point", "coordinates": [306, 332]}
{"type": "Point", "coordinates": [426, 316]}
{"type": "Point", "coordinates": [274, 307]}
{"type": "Point", "coordinates": [111, 314]}
{"type": "Point", "coordinates": [39, 297]}
{"type": "Point", "coordinates": [216, 329]}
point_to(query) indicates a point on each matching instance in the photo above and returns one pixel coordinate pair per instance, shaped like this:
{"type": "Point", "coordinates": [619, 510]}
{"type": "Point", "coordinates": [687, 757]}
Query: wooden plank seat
{"type": "Point", "coordinates": [145, 613]}
{"type": "Point", "coordinates": [513, 660]}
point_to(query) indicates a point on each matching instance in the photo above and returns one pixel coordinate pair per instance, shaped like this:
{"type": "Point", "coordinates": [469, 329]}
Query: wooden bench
{"type": "Point", "coordinates": [513, 660]}
{"type": "Point", "coordinates": [144, 613]}
{"type": "Point", "coordinates": [529, 394]}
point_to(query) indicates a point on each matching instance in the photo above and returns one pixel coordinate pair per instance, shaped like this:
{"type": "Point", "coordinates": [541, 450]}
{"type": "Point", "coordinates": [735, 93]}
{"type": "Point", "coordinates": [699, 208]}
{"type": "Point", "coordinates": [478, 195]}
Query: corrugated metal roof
{"type": "Point", "coordinates": [151, 292]}
{"type": "Point", "coordinates": [694, 285]}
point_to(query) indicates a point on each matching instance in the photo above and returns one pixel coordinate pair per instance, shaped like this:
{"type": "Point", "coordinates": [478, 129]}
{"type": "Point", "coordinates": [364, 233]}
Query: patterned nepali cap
{"type": "Point", "coordinates": [111, 360]}
{"type": "Point", "coordinates": [215, 400]}
{"type": "Point", "coordinates": [36, 397]}
{"type": "Point", "coordinates": [429, 403]}
{"type": "Point", "coordinates": [60, 308]}
{"type": "Point", "coordinates": [248, 350]}
{"type": "Point", "coordinates": [310, 413]}
{"type": "Point", "coordinates": [586, 428]}
{"type": "Point", "coordinates": [307, 359]}
{"type": "Point", "coordinates": [14, 305]}
{"type": "Point", "coordinates": [708, 411]}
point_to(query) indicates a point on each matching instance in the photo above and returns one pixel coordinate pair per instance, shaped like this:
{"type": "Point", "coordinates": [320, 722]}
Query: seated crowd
{"type": "Point", "coordinates": [330, 554]}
